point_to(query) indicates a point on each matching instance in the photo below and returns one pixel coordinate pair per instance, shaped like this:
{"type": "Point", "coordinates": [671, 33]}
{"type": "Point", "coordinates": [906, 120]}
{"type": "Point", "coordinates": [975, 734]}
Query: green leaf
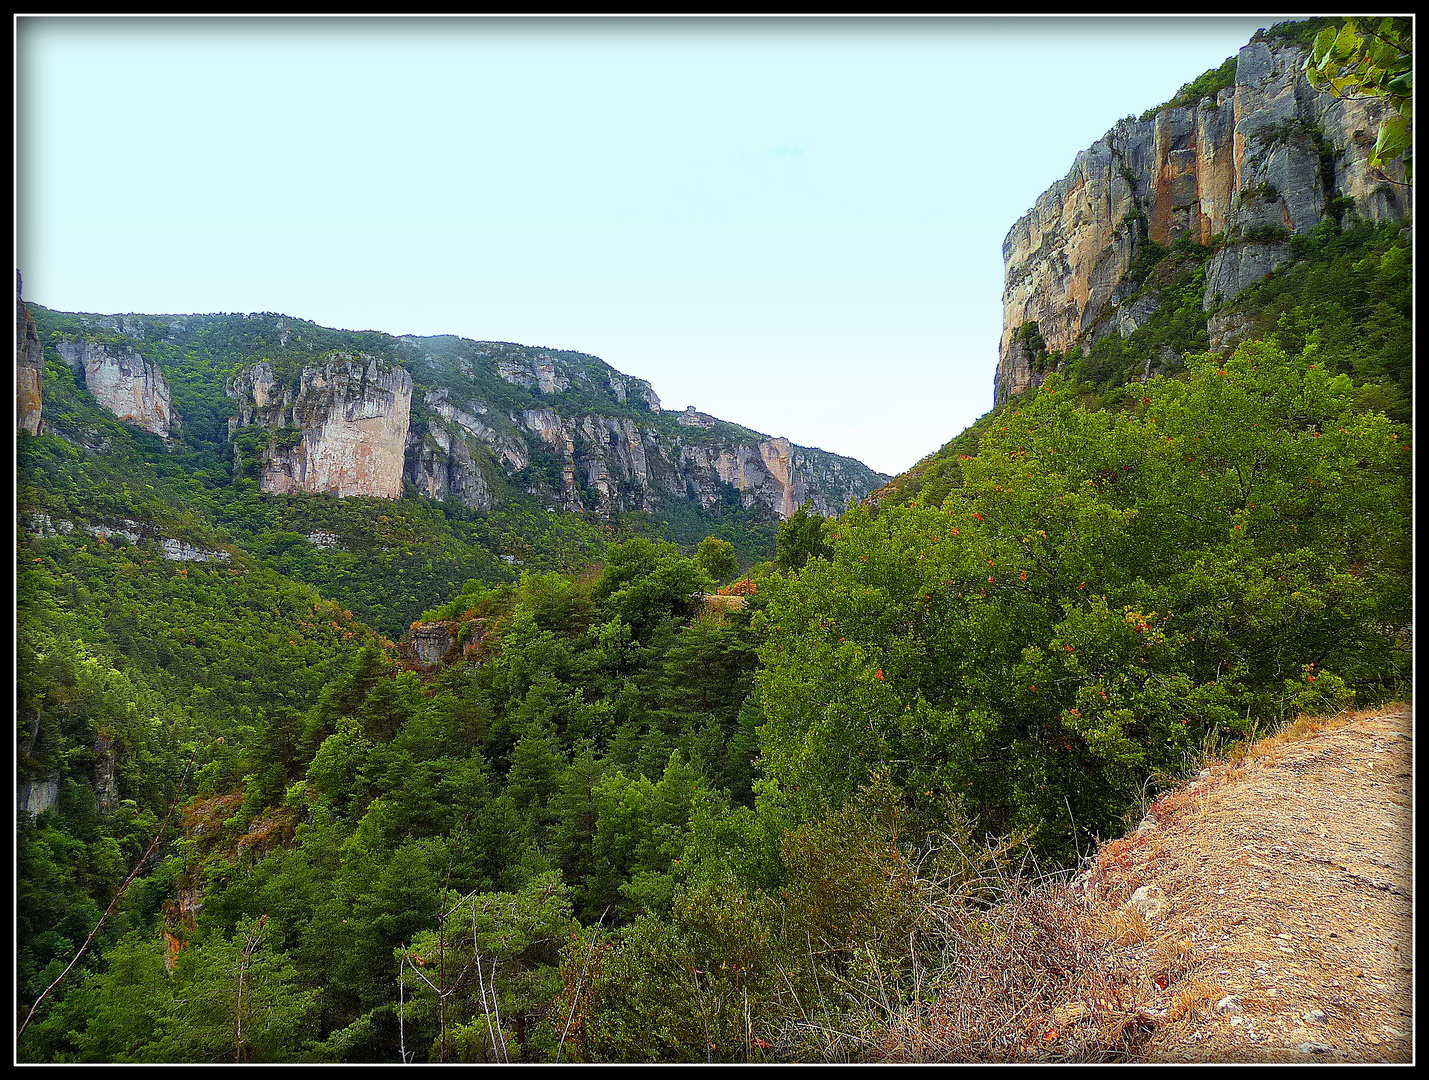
{"type": "Point", "coordinates": [1324, 41]}
{"type": "Point", "coordinates": [1348, 42]}
{"type": "Point", "coordinates": [1401, 84]}
{"type": "Point", "coordinates": [1394, 139]}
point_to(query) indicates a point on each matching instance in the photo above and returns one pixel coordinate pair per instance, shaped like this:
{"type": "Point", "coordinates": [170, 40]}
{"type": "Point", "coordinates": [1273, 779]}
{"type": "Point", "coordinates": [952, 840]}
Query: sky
{"type": "Point", "coordinates": [794, 224]}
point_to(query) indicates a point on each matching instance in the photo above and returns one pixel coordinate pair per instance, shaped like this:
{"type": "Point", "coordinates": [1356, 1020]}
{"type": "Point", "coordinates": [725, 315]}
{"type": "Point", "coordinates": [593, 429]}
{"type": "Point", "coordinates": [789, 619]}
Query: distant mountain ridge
{"type": "Point", "coordinates": [315, 409]}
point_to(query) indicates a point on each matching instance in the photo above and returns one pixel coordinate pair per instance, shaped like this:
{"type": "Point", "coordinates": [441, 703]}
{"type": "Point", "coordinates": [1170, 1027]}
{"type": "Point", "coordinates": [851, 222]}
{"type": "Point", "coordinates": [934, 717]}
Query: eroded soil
{"type": "Point", "coordinates": [1279, 908]}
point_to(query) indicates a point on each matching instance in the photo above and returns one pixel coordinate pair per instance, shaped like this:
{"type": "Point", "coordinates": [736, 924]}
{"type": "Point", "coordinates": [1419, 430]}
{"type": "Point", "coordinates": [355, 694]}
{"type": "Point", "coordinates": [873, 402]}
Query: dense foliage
{"type": "Point", "coordinates": [294, 794]}
{"type": "Point", "coordinates": [1104, 592]}
{"type": "Point", "coordinates": [631, 823]}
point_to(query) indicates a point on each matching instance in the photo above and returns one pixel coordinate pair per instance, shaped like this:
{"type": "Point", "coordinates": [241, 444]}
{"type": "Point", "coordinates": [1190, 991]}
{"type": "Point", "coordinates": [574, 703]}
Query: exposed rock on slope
{"type": "Point", "coordinates": [351, 413]}
{"type": "Point", "coordinates": [343, 432]}
{"type": "Point", "coordinates": [122, 381]}
{"type": "Point", "coordinates": [1265, 159]}
{"type": "Point", "coordinates": [561, 425]}
{"type": "Point", "coordinates": [29, 366]}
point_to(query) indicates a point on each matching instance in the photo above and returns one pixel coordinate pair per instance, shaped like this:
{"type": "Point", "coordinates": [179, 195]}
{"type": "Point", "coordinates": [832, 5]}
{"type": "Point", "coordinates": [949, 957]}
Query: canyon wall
{"type": "Point", "coordinates": [29, 367]}
{"type": "Point", "coordinates": [1264, 159]}
{"type": "Point", "coordinates": [122, 381]}
{"type": "Point", "coordinates": [476, 418]}
{"type": "Point", "coordinates": [320, 410]}
{"type": "Point", "coordinates": [343, 430]}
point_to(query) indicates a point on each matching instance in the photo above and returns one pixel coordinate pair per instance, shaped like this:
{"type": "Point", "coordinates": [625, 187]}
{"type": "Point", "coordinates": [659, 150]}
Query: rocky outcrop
{"type": "Point", "coordinates": [34, 797]}
{"type": "Point", "coordinates": [29, 367]}
{"type": "Point", "coordinates": [106, 775]}
{"type": "Point", "coordinates": [1263, 160]}
{"type": "Point", "coordinates": [608, 464]}
{"type": "Point", "coordinates": [542, 371]}
{"type": "Point", "coordinates": [342, 430]}
{"type": "Point", "coordinates": [593, 440]}
{"type": "Point", "coordinates": [353, 425]}
{"type": "Point", "coordinates": [122, 381]}
{"type": "Point", "coordinates": [449, 454]}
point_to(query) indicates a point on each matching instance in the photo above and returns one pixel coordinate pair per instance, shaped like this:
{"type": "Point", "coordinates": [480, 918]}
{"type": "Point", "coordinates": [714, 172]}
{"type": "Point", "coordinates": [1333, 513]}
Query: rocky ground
{"type": "Point", "coordinates": [1266, 908]}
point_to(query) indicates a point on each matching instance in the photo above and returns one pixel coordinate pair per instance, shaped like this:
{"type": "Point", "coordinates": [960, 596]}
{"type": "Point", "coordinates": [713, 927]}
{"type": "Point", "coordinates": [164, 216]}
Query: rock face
{"type": "Point", "coordinates": [122, 381]}
{"type": "Point", "coordinates": [106, 775]}
{"type": "Point", "coordinates": [319, 410]}
{"type": "Point", "coordinates": [1246, 170]}
{"type": "Point", "coordinates": [29, 367]}
{"type": "Point", "coordinates": [343, 431]}
{"type": "Point", "coordinates": [588, 438]}
{"type": "Point", "coordinates": [34, 797]}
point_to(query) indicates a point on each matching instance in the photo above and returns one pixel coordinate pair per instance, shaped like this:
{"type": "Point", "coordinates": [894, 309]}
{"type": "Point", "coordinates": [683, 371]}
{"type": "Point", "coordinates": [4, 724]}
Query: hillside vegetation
{"type": "Point", "coordinates": [321, 780]}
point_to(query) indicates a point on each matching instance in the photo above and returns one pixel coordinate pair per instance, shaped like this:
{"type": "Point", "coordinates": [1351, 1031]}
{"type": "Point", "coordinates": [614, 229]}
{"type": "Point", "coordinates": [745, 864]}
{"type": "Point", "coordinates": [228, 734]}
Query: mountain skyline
{"type": "Point", "coordinates": [777, 221]}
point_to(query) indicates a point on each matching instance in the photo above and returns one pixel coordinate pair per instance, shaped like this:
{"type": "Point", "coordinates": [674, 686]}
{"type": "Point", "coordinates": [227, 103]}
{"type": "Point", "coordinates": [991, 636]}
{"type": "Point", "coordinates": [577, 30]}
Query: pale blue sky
{"type": "Point", "coordinates": [793, 224]}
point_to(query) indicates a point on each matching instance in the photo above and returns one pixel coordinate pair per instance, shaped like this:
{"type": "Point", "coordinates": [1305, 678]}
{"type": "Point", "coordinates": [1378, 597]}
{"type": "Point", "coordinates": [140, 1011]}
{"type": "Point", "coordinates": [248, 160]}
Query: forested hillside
{"type": "Point", "coordinates": [586, 758]}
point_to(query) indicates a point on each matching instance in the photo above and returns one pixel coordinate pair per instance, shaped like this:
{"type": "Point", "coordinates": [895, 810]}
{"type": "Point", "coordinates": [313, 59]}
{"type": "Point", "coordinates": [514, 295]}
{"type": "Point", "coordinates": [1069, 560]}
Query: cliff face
{"type": "Point", "coordinates": [603, 444]}
{"type": "Point", "coordinates": [122, 381]}
{"type": "Point", "coordinates": [475, 418]}
{"type": "Point", "coordinates": [1244, 171]}
{"type": "Point", "coordinates": [29, 366]}
{"type": "Point", "coordinates": [321, 410]}
{"type": "Point", "coordinates": [344, 431]}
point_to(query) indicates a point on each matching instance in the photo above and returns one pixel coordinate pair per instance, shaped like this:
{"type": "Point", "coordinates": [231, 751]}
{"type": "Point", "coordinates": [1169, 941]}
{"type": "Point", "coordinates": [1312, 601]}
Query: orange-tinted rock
{"type": "Point", "coordinates": [29, 367]}
{"type": "Point", "coordinates": [344, 432]}
{"type": "Point", "coordinates": [1251, 161]}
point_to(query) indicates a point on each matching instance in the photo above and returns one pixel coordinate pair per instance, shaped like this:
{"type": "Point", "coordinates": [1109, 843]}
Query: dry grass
{"type": "Point", "coordinates": [1252, 852]}
{"type": "Point", "coordinates": [713, 602]}
{"type": "Point", "coordinates": [1039, 977]}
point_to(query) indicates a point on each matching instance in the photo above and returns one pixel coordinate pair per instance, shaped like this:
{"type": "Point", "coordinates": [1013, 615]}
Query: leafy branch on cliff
{"type": "Point", "coordinates": [1366, 59]}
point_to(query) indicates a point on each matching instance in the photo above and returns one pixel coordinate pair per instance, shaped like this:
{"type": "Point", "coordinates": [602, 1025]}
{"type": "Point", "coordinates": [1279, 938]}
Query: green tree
{"type": "Point", "coordinates": [647, 581]}
{"type": "Point", "coordinates": [800, 539]}
{"type": "Point", "coordinates": [1104, 592]}
{"type": "Point", "coordinates": [485, 980]}
{"type": "Point", "coordinates": [716, 558]}
{"type": "Point", "coordinates": [238, 999]}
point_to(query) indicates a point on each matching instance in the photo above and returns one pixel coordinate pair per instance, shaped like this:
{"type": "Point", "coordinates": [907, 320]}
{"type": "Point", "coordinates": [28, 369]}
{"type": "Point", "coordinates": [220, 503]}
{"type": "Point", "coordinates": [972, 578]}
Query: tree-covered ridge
{"type": "Point", "coordinates": [620, 819]}
{"type": "Point", "coordinates": [1103, 592]}
{"type": "Point", "coordinates": [209, 461]}
{"type": "Point", "coordinates": [671, 827]}
{"type": "Point", "coordinates": [199, 353]}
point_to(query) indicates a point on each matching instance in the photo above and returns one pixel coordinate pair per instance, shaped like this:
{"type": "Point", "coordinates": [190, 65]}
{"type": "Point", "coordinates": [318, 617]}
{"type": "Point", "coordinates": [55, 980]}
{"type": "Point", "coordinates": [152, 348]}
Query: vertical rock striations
{"type": "Point", "coordinates": [343, 430]}
{"type": "Point", "coordinates": [122, 381]}
{"type": "Point", "coordinates": [1264, 159]}
{"type": "Point", "coordinates": [29, 367]}
{"type": "Point", "coordinates": [588, 438]}
{"type": "Point", "coordinates": [477, 419]}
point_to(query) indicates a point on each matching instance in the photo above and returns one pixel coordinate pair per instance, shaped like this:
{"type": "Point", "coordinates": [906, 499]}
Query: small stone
{"type": "Point", "coordinates": [1314, 1048]}
{"type": "Point", "coordinates": [1150, 901]}
{"type": "Point", "coordinates": [1229, 1004]}
{"type": "Point", "coordinates": [1316, 1016]}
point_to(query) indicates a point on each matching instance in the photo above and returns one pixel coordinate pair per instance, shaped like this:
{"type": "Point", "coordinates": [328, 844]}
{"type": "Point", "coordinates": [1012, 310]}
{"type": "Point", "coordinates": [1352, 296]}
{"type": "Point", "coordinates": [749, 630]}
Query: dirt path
{"type": "Point", "coordinates": [1278, 907]}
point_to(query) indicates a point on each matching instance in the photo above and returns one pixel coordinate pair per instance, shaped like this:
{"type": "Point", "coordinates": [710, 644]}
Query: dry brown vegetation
{"type": "Point", "coordinates": [1274, 923]}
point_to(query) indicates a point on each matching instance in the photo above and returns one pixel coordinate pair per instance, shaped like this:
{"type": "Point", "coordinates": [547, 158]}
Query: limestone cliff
{"type": "Point", "coordinates": [343, 429]}
{"type": "Point", "coordinates": [1265, 158]}
{"type": "Point", "coordinates": [349, 413]}
{"type": "Point", "coordinates": [29, 367]}
{"type": "Point", "coordinates": [588, 438]}
{"type": "Point", "coordinates": [122, 381]}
